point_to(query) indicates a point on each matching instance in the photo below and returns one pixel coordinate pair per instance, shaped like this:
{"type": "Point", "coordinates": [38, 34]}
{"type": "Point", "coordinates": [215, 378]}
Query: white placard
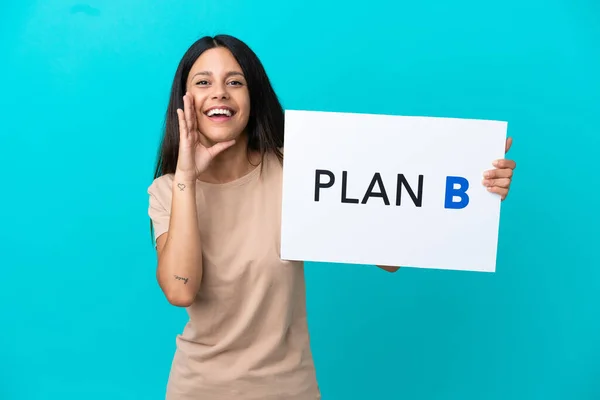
{"type": "Point", "coordinates": [389, 190]}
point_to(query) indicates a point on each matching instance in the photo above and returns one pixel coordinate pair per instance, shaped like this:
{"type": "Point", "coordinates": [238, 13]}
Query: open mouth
{"type": "Point", "coordinates": [219, 113]}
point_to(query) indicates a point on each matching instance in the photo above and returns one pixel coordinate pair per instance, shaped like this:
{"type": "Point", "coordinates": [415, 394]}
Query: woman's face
{"type": "Point", "coordinates": [221, 97]}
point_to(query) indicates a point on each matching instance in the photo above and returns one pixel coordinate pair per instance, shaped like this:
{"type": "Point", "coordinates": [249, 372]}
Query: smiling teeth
{"type": "Point", "coordinates": [218, 111]}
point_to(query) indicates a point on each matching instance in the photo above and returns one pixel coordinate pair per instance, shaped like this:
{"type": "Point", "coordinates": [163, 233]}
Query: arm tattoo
{"type": "Point", "coordinates": [179, 278]}
{"type": "Point", "coordinates": [181, 186]}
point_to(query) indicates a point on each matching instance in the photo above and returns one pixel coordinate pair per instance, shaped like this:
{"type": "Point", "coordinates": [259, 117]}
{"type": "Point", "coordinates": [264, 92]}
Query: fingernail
{"type": "Point", "coordinates": [486, 182]}
{"type": "Point", "coordinates": [495, 163]}
{"type": "Point", "coordinates": [486, 174]}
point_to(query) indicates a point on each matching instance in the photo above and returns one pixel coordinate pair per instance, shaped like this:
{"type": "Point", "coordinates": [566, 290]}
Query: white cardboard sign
{"type": "Point", "coordinates": [390, 190]}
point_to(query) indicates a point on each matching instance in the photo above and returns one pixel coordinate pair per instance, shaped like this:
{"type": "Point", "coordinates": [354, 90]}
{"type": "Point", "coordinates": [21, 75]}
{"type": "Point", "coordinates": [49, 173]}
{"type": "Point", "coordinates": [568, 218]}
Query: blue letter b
{"type": "Point", "coordinates": [460, 192]}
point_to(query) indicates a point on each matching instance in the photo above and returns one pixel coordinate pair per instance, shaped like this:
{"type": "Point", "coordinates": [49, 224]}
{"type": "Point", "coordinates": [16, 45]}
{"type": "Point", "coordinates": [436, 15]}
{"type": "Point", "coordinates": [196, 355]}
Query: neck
{"type": "Point", "coordinates": [231, 164]}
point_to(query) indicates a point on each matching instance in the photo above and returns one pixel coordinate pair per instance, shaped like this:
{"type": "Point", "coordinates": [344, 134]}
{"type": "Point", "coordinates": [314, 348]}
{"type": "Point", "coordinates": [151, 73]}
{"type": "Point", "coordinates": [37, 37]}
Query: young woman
{"type": "Point", "coordinates": [215, 207]}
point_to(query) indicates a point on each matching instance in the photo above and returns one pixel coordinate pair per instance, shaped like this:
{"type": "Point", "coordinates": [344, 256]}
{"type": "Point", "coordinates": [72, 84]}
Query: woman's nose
{"type": "Point", "coordinates": [220, 92]}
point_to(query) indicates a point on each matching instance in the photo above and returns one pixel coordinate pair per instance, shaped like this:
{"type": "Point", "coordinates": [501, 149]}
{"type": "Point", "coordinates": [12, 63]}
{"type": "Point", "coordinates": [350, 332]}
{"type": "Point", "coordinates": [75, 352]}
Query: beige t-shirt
{"type": "Point", "coordinates": [247, 335]}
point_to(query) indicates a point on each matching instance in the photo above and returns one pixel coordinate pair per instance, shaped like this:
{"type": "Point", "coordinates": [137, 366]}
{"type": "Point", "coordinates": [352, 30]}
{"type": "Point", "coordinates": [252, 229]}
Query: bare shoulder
{"type": "Point", "coordinates": [276, 155]}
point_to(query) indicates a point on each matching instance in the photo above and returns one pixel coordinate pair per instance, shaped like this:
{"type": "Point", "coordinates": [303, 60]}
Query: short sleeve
{"type": "Point", "coordinates": [159, 205]}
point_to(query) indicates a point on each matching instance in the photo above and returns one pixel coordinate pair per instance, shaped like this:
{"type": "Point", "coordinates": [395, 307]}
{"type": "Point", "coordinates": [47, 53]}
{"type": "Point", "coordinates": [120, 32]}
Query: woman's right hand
{"type": "Point", "coordinates": [194, 158]}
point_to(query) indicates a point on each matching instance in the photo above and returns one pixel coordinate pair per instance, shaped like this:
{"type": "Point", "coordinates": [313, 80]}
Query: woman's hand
{"type": "Point", "coordinates": [194, 158]}
{"type": "Point", "coordinates": [498, 180]}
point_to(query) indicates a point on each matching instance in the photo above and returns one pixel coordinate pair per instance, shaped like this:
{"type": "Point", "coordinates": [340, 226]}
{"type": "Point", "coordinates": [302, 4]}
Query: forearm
{"type": "Point", "coordinates": [179, 270]}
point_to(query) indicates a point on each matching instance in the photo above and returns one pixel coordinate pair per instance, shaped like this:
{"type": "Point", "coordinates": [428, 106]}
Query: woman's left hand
{"type": "Point", "coordinates": [498, 180]}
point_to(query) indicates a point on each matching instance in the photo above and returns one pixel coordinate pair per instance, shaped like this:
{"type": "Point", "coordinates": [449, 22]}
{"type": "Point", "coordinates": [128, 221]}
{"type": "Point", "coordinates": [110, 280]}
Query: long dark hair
{"type": "Point", "coordinates": [266, 119]}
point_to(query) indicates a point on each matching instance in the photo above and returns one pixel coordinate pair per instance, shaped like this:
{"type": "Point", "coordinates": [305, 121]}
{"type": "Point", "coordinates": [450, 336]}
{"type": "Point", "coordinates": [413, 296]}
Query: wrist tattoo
{"type": "Point", "coordinates": [181, 186]}
{"type": "Point", "coordinates": [179, 278]}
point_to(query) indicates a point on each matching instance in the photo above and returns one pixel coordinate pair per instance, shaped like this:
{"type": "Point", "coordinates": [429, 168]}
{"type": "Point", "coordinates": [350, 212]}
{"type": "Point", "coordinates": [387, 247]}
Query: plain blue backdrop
{"type": "Point", "coordinates": [84, 91]}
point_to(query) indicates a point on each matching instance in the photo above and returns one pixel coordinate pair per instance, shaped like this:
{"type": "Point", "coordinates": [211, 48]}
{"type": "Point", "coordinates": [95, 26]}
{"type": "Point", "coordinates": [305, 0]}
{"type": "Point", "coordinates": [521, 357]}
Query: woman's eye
{"type": "Point", "coordinates": [202, 83]}
{"type": "Point", "coordinates": [235, 83]}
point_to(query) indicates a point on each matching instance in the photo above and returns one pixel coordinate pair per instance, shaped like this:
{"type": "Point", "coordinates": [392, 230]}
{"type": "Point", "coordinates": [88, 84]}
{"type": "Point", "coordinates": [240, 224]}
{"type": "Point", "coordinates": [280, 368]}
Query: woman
{"type": "Point", "coordinates": [215, 206]}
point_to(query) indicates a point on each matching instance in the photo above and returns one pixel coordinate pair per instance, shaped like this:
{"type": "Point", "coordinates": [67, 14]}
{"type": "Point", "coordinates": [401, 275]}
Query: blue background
{"type": "Point", "coordinates": [84, 90]}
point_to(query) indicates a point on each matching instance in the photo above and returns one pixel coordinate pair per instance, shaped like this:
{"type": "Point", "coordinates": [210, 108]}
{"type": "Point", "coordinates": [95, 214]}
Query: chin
{"type": "Point", "coordinates": [221, 135]}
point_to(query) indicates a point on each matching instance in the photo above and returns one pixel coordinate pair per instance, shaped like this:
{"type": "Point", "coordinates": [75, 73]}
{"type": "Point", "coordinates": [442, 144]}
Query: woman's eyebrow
{"type": "Point", "coordinates": [208, 73]}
